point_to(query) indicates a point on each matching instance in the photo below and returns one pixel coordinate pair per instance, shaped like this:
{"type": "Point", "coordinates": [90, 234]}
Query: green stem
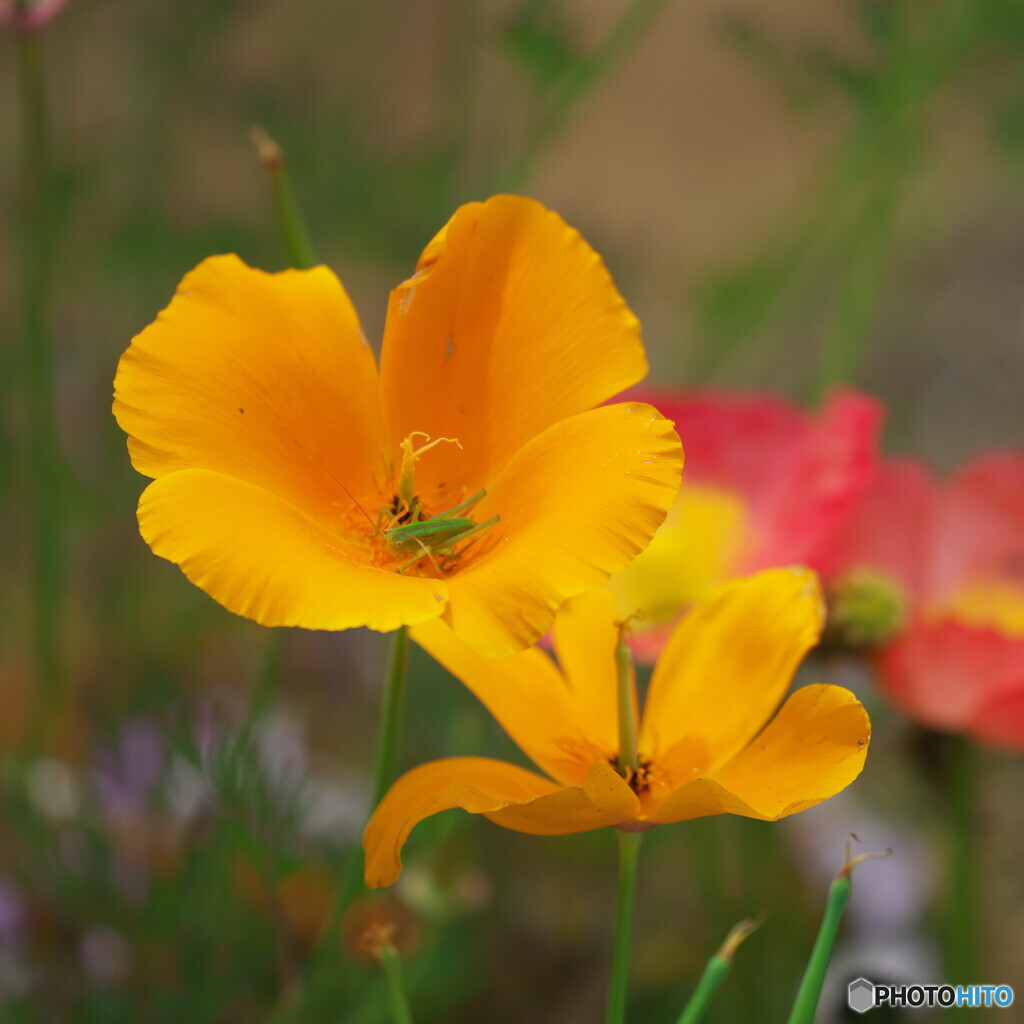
{"type": "Point", "coordinates": [384, 760]}
{"type": "Point", "coordinates": [399, 1003]}
{"type": "Point", "coordinates": [386, 754]}
{"type": "Point", "coordinates": [618, 985]}
{"type": "Point", "coordinates": [961, 929]}
{"type": "Point", "coordinates": [577, 79]}
{"type": "Point", "coordinates": [290, 221]}
{"type": "Point", "coordinates": [42, 463]}
{"type": "Point", "coordinates": [628, 755]}
{"type": "Point", "coordinates": [814, 976]}
{"type": "Point", "coordinates": [715, 973]}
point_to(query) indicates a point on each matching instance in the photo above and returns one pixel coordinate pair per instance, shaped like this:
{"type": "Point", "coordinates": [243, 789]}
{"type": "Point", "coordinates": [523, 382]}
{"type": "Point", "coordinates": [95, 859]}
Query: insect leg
{"type": "Point", "coordinates": [424, 553]}
{"type": "Point", "coordinates": [463, 506]}
{"type": "Point", "coordinates": [476, 532]}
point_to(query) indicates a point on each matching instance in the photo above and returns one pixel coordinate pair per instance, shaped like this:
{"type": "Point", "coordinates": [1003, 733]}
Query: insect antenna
{"type": "Point", "coordinates": [355, 500]}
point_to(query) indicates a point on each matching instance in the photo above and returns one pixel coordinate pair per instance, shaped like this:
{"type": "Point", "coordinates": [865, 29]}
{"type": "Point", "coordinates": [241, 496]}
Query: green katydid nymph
{"type": "Point", "coordinates": [437, 535]}
{"type": "Point", "coordinates": [407, 530]}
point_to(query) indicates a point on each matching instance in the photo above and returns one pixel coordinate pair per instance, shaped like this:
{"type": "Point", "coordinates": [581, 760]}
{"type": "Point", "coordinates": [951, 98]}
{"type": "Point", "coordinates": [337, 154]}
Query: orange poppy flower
{"type": "Point", "coordinates": [296, 484]}
{"type": "Point", "coordinates": [703, 747]}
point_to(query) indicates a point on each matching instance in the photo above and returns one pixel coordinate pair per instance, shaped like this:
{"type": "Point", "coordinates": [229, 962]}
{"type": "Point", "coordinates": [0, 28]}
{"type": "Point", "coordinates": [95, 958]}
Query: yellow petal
{"type": "Point", "coordinates": [510, 324]}
{"type": "Point", "coordinates": [700, 546]}
{"type": "Point", "coordinates": [585, 636]}
{"type": "Point", "coordinates": [263, 558]}
{"type": "Point", "coordinates": [577, 503]}
{"type": "Point", "coordinates": [509, 795]}
{"type": "Point", "coordinates": [814, 748]}
{"type": "Point", "coordinates": [603, 799]}
{"type": "Point", "coordinates": [262, 377]}
{"type": "Point", "coordinates": [513, 689]}
{"type": "Point", "coordinates": [726, 668]}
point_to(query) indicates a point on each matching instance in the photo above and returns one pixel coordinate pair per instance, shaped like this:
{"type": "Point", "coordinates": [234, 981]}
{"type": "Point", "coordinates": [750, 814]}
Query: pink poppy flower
{"type": "Point", "coordinates": [766, 484]}
{"type": "Point", "coordinates": [956, 552]}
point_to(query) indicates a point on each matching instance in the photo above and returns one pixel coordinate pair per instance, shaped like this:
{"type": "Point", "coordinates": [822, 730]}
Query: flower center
{"type": "Point", "coordinates": [639, 779]}
{"type": "Point", "coordinates": [407, 536]}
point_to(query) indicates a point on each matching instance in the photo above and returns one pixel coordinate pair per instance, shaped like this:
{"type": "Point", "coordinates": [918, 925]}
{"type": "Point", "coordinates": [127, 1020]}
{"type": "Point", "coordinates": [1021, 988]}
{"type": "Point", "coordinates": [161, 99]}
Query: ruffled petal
{"type": "Point", "coordinates": [577, 503]}
{"type": "Point", "coordinates": [726, 668]}
{"type": "Point", "coordinates": [798, 476]}
{"type": "Point", "coordinates": [265, 559]}
{"type": "Point", "coordinates": [811, 750]}
{"type": "Point", "coordinates": [266, 378]}
{"type": "Point", "coordinates": [510, 324]}
{"type": "Point", "coordinates": [508, 795]}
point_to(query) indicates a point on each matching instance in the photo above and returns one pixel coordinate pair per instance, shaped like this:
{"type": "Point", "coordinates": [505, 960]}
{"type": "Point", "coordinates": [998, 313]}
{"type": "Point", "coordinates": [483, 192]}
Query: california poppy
{"type": "Point", "coordinates": [471, 478]}
{"type": "Point", "coordinates": [708, 742]}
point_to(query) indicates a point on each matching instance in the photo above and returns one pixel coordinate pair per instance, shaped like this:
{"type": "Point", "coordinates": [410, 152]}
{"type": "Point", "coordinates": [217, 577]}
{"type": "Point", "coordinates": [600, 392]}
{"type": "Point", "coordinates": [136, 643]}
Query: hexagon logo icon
{"type": "Point", "coordinates": [860, 996]}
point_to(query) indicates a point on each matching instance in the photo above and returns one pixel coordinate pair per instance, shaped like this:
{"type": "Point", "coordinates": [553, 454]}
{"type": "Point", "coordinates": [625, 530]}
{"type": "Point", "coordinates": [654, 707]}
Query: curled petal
{"type": "Point", "coordinates": [811, 750]}
{"type": "Point", "coordinates": [508, 795]}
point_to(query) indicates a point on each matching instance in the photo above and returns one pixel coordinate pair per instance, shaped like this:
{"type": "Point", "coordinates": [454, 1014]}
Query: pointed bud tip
{"type": "Point", "coordinates": [269, 151]}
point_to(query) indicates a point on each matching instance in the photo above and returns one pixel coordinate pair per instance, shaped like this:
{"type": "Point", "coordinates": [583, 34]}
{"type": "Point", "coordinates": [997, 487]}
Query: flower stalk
{"type": "Point", "coordinates": [961, 925]}
{"type": "Point", "coordinates": [628, 754]}
{"type": "Point", "coordinates": [41, 454]}
{"type": "Point", "coordinates": [618, 986]}
{"type": "Point", "coordinates": [391, 964]}
{"type": "Point", "coordinates": [386, 755]}
{"type": "Point", "coordinates": [839, 893]}
{"type": "Point", "coordinates": [715, 973]}
{"type": "Point", "coordinates": [290, 221]}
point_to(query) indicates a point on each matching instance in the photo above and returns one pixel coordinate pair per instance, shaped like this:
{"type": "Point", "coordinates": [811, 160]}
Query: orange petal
{"type": "Point", "coordinates": [586, 636]}
{"type": "Point", "coordinates": [812, 749]}
{"type": "Point", "coordinates": [262, 377]}
{"type": "Point", "coordinates": [579, 723]}
{"type": "Point", "coordinates": [510, 324]}
{"type": "Point", "coordinates": [726, 667]}
{"type": "Point", "coordinates": [603, 799]}
{"type": "Point", "coordinates": [263, 558]}
{"type": "Point", "coordinates": [510, 796]}
{"type": "Point", "coordinates": [577, 503]}
{"type": "Point", "coordinates": [513, 689]}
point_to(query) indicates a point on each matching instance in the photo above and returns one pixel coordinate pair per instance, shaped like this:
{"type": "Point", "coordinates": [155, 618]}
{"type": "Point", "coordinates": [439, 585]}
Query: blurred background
{"type": "Point", "coordinates": [789, 195]}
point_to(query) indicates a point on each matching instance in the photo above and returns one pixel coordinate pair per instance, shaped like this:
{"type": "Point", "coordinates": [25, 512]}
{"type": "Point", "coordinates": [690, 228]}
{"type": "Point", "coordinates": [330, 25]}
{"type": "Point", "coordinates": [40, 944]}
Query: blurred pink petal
{"type": "Point", "coordinates": [30, 18]}
{"type": "Point", "coordinates": [766, 484]}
